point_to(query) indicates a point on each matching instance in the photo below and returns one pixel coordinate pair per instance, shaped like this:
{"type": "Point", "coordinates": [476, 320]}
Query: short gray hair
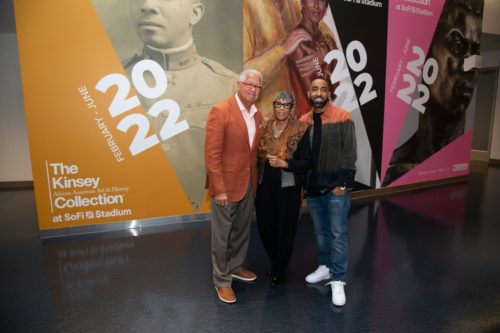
{"type": "Point", "coordinates": [284, 95]}
{"type": "Point", "coordinates": [248, 72]}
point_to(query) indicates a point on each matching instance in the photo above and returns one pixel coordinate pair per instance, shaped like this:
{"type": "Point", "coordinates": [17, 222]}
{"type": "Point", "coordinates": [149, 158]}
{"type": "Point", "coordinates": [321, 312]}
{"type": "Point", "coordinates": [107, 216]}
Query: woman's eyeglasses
{"type": "Point", "coordinates": [284, 105]}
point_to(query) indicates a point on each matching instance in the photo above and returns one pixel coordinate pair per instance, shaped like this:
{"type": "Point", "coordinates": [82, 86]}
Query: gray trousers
{"type": "Point", "coordinates": [230, 237]}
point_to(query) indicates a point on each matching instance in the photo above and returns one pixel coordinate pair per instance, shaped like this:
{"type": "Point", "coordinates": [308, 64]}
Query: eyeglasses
{"type": "Point", "coordinates": [278, 105]}
{"type": "Point", "coordinates": [250, 85]}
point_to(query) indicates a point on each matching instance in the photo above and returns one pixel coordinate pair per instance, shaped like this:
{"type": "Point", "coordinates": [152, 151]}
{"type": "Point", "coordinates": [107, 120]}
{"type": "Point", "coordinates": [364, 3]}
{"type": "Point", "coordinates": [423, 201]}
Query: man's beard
{"type": "Point", "coordinates": [319, 103]}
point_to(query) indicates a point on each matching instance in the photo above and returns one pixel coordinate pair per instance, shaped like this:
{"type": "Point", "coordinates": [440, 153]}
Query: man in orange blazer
{"type": "Point", "coordinates": [232, 136]}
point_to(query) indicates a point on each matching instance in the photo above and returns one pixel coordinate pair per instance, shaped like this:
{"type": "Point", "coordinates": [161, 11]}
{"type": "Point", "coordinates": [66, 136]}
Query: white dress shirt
{"type": "Point", "coordinates": [248, 116]}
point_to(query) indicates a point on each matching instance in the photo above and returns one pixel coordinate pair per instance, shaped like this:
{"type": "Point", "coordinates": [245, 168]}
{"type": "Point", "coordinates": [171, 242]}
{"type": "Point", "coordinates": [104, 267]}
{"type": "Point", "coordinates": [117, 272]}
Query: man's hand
{"type": "Point", "coordinates": [294, 39]}
{"type": "Point", "coordinates": [264, 122]}
{"type": "Point", "coordinates": [337, 191]}
{"type": "Point", "coordinates": [221, 200]}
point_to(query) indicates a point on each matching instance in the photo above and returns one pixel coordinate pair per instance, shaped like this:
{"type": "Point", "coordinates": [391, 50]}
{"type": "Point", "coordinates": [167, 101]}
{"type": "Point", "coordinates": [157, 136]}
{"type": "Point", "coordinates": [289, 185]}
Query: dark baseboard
{"type": "Point", "coordinates": [494, 162]}
{"type": "Point", "coordinates": [18, 185]}
{"type": "Point", "coordinates": [357, 195]}
{"type": "Point", "coordinates": [361, 196]}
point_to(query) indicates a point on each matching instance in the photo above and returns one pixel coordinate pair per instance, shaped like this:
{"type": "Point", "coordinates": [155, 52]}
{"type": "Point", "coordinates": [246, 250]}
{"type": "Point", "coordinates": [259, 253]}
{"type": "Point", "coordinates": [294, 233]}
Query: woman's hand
{"type": "Point", "coordinates": [276, 162]}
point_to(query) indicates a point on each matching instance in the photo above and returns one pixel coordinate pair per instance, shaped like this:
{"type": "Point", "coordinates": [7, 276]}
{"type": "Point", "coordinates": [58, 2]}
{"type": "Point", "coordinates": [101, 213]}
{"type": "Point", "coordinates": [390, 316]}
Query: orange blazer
{"type": "Point", "coordinates": [229, 159]}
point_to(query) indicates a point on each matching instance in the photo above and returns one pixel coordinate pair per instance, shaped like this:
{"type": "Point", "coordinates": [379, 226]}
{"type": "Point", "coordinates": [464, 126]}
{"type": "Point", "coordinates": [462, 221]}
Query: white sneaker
{"type": "Point", "coordinates": [338, 295]}
{"type": "Point", "coordinates": [321, 273]}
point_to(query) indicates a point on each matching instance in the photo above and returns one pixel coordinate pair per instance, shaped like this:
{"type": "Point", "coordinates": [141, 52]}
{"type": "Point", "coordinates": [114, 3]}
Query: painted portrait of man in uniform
{"type": "Point", "coordinates": [198, 45]}
{"type": "Point", "coordinates": [455, 47]}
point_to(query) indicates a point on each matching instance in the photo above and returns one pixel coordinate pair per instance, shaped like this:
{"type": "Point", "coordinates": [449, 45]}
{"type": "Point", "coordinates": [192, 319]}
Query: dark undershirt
{"type": "Point", "coordinates": [313, 189]}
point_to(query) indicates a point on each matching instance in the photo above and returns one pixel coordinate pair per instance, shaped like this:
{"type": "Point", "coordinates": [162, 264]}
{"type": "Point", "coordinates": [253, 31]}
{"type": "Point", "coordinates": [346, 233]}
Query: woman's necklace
{"type": "Point", "coordinates": [277, 132]}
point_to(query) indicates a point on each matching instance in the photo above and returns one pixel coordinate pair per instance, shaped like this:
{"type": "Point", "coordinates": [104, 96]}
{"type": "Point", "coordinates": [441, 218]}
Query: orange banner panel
{"type": "Point", "coordinates": [98, 155]}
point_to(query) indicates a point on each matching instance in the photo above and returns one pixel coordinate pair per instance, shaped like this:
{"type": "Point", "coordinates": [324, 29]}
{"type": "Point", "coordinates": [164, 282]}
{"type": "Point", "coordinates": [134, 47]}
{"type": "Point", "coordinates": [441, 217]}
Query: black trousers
{"type": "Point", "coordinates": [277, 211]}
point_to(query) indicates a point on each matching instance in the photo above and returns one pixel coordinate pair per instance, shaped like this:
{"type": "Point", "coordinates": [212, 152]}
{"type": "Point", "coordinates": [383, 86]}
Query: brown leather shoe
{"type": "Point", "coordinates": [226, 294]}
{"type": "Point", "coordinates": [244, 275]}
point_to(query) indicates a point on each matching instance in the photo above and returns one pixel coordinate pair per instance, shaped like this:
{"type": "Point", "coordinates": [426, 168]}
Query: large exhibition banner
{"type": "Point", "coordinates": [405, 69]}
{"type": "Point", "coordinates": [292, 41]}
{"type": "Point", "coordinates": [364, 45]}
{"type": "Point", "coordinates": [116, 96]}
{"type": "Point", "coordinates": [117, 92]}
{"type": "Point", "coordinates": [432, 66]}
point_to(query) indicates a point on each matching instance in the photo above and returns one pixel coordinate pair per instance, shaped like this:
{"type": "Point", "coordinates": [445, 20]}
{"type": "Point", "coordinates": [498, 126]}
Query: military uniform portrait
{"type": "Point", "coordinates": [198, 45]}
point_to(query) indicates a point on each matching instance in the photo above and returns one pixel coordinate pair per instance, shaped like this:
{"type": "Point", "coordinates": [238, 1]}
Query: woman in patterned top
{"type": "Point", "coordinates": [279, 192]}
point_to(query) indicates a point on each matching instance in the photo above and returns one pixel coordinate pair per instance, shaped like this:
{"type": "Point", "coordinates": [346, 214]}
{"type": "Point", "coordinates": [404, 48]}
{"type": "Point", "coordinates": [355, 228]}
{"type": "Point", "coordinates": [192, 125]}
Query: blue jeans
{"type": "Point", "coordinates": [329, 214]}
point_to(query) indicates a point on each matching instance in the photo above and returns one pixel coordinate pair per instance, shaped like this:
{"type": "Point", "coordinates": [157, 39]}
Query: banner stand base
{"type": "Point", "coordinates": [134, 226]}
